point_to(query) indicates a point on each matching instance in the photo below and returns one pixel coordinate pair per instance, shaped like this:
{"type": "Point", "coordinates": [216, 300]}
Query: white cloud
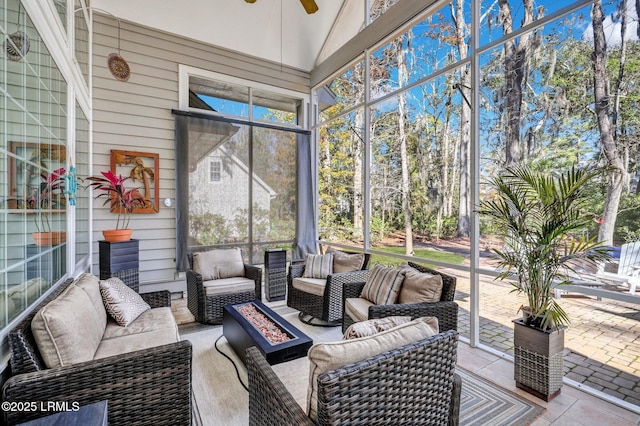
{"type": "Point", "coordinates": [612, 26]}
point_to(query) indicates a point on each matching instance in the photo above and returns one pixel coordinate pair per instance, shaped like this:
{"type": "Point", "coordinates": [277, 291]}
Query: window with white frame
{"type": "Point", "coordinates": [215, 168]}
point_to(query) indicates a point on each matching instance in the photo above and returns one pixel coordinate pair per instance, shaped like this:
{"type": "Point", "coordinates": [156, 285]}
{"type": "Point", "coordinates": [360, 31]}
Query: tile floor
{"type": "Point", "coordinates": [573, 407]}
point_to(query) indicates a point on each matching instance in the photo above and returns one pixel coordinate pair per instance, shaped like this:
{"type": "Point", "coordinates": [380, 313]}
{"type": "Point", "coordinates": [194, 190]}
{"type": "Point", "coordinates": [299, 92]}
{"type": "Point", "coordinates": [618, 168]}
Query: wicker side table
{"type": "Point", "coordinates": [275, 263]}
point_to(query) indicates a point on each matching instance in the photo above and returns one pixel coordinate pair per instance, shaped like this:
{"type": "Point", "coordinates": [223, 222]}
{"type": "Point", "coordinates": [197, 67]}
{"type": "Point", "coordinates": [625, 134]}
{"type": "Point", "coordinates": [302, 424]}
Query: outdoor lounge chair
{"type": "Point", "coordinates": [414, 384]}
{"type": "Point", "coordinates": [628, 273]}
{"type": "Point", "coordinates": [220, 278]}
{"type": "Point", "coordinates": [321, 299]}
{"type": "Point", "coordinates": [446, 310]}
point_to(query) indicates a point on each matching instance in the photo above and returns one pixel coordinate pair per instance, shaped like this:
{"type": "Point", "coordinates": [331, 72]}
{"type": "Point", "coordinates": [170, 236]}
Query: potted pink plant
{"type": "Point", "coordinates": [46, 197]}
{"type": "Point", "coordinates": [121, 200]}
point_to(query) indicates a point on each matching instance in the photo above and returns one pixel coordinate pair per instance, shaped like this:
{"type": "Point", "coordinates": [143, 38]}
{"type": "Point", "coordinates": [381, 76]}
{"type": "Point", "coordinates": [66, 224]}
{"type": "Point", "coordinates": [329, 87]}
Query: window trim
{"type": "Point", "coordinates": [217, 172]}
{"type": "Point", "coordinates": [186, 71]}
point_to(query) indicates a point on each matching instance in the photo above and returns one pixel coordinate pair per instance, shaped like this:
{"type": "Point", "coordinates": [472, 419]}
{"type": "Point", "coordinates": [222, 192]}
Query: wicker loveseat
{"type": "Point", "coordinates": [322, 300]}
{"type": "Point", "coordinates": [206, 295]}
{"type": "Point", "coordinates": [446, 310]}
{"type": "Point", "coordinates": [151, 385]}
{"type": "Point", "coordinates": [420, 387]}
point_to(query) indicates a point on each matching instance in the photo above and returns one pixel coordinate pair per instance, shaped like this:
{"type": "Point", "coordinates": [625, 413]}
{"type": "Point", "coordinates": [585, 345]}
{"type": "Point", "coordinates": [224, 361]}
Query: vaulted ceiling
{"type": "Point", "coordinates": [275, 30]}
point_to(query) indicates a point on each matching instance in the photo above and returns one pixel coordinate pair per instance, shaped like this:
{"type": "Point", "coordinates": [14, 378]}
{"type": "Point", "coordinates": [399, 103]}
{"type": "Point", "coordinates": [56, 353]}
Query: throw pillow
{"type": "Point", "coordinates": [382, 285]}
{"type": "Point", "coordinates": [346, 262]}
{"type": "Point", "coordinates": [419, 287]}
{"type": "Point", "coordinates": [218, 264]}
{"type": "Point", "coordinates": [318, 266]}
{"type": "Point", "coordinates": [122, 302]}
{"type": "Point", "coordinates": [373, 326]}
{"type": "Point", "coordinates": [324, 357]}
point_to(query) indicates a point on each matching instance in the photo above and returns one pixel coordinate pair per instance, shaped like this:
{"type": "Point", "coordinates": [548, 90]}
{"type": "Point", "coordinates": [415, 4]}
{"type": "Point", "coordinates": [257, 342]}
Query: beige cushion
{"type": "Point", "coordinates": [419, 287]}
{"type": "Point", "coordinates": [123, 303]}
{"type": "Point", "coordinates": [4, 307]}
{"type": "Point", "coordinates": [373, 326]}
{"type": "Point", "coordinates": [151, 320]}
{"type": "Point", "coordinates": [67, 330]}
{"type": "Point", "coordinates": [228, 285]}
{"type": "Point", "coordinates": [310, 285]}
{"type": "Point", "coordinates": [216, 264]}
{"type": "Point", "coordinates": [90, 284]}
{"type": "Point", "coordinates": [383, 285]}
{"type": "Point", "coordinates": [324, 357]}
{"type": "Point", "coordinates": [357, 308]}
{"type": "Point", "coordinates": [318, 265]}
{"type": "Point", "coordinates": [26, 293]}
{"type": "Point", "coordinates": [346, 262]}
{"type": "Point", "coordinates": [135, 342]}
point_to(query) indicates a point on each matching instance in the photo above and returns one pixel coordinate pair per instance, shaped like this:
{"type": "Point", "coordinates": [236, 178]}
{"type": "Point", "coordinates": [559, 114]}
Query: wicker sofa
{"type": "Point", "coordinates": [150, 385]}
{"type": "Point", "coordinates": [206, 297]}
{"type": "Point", "coordinates": [446, 310]}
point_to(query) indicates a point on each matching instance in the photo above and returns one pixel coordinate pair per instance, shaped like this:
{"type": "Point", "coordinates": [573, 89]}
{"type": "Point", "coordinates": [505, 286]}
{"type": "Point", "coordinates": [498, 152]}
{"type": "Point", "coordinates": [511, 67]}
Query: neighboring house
{"type": "Point", "coordinates": [220, 185]}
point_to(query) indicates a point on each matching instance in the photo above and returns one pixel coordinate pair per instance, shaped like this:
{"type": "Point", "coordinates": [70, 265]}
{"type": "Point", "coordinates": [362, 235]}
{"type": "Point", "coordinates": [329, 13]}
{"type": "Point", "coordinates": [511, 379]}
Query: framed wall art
{"type": "Point", "coordinates": [30, 165]}
{"type": "Point", "coordinates": [143, 170]}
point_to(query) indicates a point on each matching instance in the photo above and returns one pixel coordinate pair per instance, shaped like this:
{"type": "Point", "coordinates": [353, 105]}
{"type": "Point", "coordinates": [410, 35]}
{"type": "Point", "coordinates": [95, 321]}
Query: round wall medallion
{"type": "Point", "coordinates": [17, 46]}
{"type": "Point", "coordinates": [119, 67]}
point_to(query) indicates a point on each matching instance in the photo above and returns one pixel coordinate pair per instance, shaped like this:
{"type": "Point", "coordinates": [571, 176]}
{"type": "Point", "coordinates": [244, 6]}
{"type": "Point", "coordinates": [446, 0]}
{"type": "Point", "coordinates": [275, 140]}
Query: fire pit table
{"type": "Point", "coordinates": [254, 324]}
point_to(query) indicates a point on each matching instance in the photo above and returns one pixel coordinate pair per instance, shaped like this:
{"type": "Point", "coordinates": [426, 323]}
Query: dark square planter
{"type": "Point", "coordinates": [120, 260]}
{"type": "Point", "coordinates": [538, 360]}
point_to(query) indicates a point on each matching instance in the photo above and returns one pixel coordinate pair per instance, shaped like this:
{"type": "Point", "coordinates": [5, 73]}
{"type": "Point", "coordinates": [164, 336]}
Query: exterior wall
{"type": "Point", "coordinates": [136, 115]}
{"type": "Point", "coordinates": [229, 195]}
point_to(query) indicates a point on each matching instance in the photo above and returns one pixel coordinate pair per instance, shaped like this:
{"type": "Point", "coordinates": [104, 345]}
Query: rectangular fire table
{"type": "Point", "coordinates": [241, 333]}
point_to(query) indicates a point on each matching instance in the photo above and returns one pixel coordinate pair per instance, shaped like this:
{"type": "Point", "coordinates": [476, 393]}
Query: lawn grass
{"type": "Point", "coordinates": [441, 256]}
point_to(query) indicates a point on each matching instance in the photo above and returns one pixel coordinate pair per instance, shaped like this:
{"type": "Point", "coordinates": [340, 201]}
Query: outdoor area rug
{"type": "Point", "coordinates": [485, 403]}
{"type": "Point", "coordinates": [220, 399]}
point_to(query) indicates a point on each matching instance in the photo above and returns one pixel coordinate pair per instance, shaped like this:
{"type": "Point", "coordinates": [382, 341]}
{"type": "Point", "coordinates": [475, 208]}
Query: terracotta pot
{"type": "Point", "coordinates": [117, 235]}
{"type": "Point", "coordinates": [52, 238]}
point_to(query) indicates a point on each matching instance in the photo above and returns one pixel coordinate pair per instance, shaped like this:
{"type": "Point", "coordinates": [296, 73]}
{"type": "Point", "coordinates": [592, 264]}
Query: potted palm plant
{"type": "Point", "coordinates": [121, 200]}
{"type": "Point", "coordinates": [540, 218]}
{"type": "Point", "coordinates": [47, 197]}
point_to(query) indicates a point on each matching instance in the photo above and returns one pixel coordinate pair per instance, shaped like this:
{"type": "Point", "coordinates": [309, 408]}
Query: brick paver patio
{"type": "Point", "coordinates": [602, 344]}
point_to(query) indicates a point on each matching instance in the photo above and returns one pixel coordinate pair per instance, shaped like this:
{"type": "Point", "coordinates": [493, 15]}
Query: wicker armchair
{"type": "Point", "coordinates": [420, 388]}
{"type": "Point", "coordinates": [446, 310]}
{"type": "Point", "coordinates": [327, 307]}
{"type": "Point", "coordinates": [208, 309]}
{"type": "Point", "coordinates": [149, 386]}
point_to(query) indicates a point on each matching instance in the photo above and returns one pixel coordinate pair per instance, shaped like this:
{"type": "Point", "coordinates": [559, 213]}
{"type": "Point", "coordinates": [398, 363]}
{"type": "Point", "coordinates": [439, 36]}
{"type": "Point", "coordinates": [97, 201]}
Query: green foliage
{"type": "Point", "coordinates": [540, 217]}
{"type": "Point", "coordinates": [445, 229]}
{"type": "Point", "coordinates": [209, 228]}
{"type": "Point", "coordinates": [628, 222]}
{"type": "Point", "coordinates": [379, 229]}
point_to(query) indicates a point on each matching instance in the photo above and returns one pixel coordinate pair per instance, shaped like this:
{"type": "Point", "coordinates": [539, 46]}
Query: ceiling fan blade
{"type": "Point", "coordinates": [310, 6]}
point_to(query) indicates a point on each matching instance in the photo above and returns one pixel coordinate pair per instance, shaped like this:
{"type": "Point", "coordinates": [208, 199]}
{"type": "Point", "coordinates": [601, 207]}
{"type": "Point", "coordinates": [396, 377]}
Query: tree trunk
{"type": "Point", "coordinates": [358, 169]}
{"type": "Point", "coordinates": [515, 59]}
{"type": "Point", "coordinates": [617, 124]}
{"type": "Point", "coordinates": [609, 148]}
{"type": "Point", "coordinates": [464, 208]}
{"type": "Point", "coordinates": [402, 115]}
{"type": "Point", "coordinates": [445, 150]}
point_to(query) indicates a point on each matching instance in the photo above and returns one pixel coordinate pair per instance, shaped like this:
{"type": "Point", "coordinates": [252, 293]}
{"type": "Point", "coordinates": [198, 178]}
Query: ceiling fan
{"type": "Point", "coordinates": [309, 5]}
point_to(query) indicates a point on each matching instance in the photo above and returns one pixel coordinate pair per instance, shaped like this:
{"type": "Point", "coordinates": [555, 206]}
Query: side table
{"type": "Point", "coordinates": [120, 260]}
{"type": "Point", "coordinates": [275, 263]}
